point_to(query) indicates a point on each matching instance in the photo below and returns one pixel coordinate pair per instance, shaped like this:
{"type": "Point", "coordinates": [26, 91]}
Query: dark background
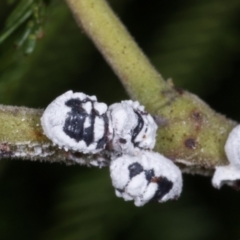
{"type": "Point", "coordinates": [196, 43]}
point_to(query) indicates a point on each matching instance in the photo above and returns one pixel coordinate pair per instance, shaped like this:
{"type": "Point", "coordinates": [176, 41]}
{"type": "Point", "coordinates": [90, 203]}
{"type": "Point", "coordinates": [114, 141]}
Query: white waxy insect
{"type": "Point", "coordinates": [76, 121]}
{"type": "Point", "coordinates": [232, 146]}
{"type": "Point", "coordinates": [229, 174]}
{"type": "Point", "coordinates": [146, 177]}
{"type": "Point", "coordinates": [133, 128]}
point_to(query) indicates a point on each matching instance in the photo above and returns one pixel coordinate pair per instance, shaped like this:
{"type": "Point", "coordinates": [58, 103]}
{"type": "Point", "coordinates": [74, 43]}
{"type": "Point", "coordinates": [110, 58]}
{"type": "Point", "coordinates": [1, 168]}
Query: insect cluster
{"type": "Point", "coordinates": [77, 122]}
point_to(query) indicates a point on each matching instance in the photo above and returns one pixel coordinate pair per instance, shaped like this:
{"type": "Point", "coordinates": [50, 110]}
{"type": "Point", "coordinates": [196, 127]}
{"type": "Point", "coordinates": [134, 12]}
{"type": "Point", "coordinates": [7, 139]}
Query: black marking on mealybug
{"type": "Point", "coordinates": [164, 186]}
{"type": "Point", "coordinates": [122, 140]}
{"type": "Point", "coordinates": [137, 129]}
{"type": "Point", "coordinates": [149, 174]}
{"type": "Point", "coordinates": [74, 123]}
{"type": "Point", "coordinates": [88, 133]}
{"type": "Point", "coordinates": [135, 169]}
{"type": "Point", "coordinates": [120, 190]}
{"type": "Point", "coordinates": [102, 141]}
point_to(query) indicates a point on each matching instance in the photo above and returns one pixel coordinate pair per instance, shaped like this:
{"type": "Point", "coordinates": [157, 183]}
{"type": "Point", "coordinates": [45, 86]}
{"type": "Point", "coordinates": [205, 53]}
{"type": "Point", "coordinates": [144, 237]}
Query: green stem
{"type": "Point", "coordinates": [21, 137]}
{"type": "Point", "coordinates": [190, 133]}
{"type": "Point", "coordinates": [140, 79]}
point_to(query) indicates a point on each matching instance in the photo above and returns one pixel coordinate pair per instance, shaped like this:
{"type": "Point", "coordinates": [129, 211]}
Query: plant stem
{"type": "Point", "coordinates": [140, 79]}
{"type": "Point", "coordinates": [21, 137]}
{"type": "Point", "coordinates": [190, 133]}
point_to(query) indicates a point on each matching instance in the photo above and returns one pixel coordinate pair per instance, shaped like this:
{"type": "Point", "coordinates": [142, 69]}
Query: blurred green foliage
{"type": "Point", "coordinates": [194, 42]}
{"type": "Point", "coordinates": [29, 13]}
